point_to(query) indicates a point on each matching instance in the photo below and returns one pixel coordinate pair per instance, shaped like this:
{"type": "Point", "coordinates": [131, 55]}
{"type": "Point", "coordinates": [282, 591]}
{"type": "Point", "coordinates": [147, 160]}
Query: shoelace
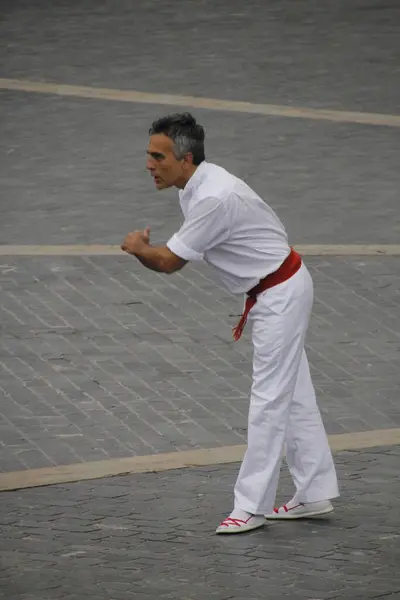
{"type": "Point", "coordinates": [229, 521]}
{"type": "Point", "coordinates": [286, 509]}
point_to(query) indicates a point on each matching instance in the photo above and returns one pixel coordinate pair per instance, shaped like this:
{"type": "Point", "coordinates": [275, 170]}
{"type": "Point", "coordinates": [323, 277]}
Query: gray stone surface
{"type": "Point", "coordinates": [152, 536]}
{"type": "Point", "coordinates": [322, 54]}
{"type": "Point", "coordinates": [72, 170]}
{"type": "Point", "coordinates": [100, 358]}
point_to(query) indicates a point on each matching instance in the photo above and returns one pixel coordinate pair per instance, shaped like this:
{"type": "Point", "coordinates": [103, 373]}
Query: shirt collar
{"type": "Point", "coordinates": [195, 180]}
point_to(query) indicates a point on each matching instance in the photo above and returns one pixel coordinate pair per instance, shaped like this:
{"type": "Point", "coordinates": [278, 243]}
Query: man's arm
{"type": "Point", "coordinates": [157, 258]}
{"type": "Point", "coordinates": [160, 259]}
{"type": "Point", "coordinates": [206, 226]}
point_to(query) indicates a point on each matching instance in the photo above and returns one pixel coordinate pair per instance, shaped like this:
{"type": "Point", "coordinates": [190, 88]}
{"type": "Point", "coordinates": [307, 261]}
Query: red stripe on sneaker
{"type": "Point", "coordinates": [293, 507]}
{"type": "Point", "coordinates": [286, 509]}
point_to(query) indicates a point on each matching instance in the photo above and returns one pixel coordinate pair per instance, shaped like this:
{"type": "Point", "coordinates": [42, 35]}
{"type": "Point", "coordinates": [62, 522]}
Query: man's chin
{"type": "Point", "coordinates": [161, 185]}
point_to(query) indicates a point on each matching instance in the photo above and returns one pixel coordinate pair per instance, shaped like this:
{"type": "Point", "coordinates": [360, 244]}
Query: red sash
{"type": "Point", "coordinates": [288, 268]}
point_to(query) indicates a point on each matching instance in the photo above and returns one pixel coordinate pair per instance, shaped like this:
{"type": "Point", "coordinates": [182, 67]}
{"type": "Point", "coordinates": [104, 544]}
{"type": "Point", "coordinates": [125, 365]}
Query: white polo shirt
{"type": "Point", "coordinates": [229, 227]}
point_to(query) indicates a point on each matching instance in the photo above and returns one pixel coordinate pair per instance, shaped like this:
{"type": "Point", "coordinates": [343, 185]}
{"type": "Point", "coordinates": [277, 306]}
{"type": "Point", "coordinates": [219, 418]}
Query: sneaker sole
{"type": "Point", "coordinates": [287, 517]}
{"type": "Point", "coordinates": [232, 530]}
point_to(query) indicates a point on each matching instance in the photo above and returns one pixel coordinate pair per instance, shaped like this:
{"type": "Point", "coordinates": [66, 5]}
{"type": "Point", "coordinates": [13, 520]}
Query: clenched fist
{"type": "Point", "coordinates": [135, 240]}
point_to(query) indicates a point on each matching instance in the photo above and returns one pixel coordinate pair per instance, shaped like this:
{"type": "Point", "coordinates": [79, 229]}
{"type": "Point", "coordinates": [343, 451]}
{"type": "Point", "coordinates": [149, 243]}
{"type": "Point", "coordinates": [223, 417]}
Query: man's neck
{"type": "Point", "coordinates": [181, 184]}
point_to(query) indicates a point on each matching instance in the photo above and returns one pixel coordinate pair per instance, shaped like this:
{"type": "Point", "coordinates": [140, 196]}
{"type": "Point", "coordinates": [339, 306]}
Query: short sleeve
{"type": "Point", "coordinates": [206, 226]}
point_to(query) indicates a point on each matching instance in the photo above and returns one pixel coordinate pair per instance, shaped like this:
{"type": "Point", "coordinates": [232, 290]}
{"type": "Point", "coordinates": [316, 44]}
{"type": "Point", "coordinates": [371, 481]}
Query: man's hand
{"type": "Point", "coordinates": [156, 258]}
{"type": "Point", "coordinates": [134, 241]}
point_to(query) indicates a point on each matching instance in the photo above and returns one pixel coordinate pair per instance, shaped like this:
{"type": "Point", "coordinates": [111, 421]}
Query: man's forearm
{"type": "Point", "coordinates": [157, 258]}
{"type": "Point", "coordinates": [153, 258]}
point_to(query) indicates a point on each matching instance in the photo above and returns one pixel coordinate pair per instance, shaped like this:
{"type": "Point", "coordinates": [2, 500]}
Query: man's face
{"type": "Point", "coordinates": [165, 169]}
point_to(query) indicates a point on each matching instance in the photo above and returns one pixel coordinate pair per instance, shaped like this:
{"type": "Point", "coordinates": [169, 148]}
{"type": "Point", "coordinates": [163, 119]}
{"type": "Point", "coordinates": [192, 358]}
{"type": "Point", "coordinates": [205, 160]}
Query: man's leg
{"type": "Point", "coordinates": [277, 353]}
{"type": "Point", "coordinates": [280, 320]}
{"type": "Point", "coordinates": [308, 454]}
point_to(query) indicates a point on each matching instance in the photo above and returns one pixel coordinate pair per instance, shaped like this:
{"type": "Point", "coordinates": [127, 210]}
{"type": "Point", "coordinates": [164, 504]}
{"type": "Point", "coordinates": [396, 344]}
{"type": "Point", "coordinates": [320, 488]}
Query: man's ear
{"type": "Point", "coordinates": [188, 159]}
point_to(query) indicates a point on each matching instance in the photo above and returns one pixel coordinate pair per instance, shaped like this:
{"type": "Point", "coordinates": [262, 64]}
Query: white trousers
{"type": "Point", "coordinates": [283, 411]}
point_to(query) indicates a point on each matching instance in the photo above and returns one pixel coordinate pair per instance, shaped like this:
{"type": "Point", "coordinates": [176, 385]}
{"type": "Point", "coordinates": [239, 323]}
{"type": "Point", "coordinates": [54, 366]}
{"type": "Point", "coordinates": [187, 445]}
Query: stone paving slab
{"type": "Point", "coordinates": [152, 536]}
{"type": "Point", "coordinates": [102, 359]}
{"type": "Point", "coordinates": [73, 171]}
{"type": "Point", "coordinates": [320, 54]}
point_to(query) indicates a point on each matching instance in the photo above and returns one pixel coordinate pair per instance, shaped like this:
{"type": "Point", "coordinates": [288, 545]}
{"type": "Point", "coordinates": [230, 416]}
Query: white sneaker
{"type": "Point", "coordinates": [301, 511]}
{"type": "Point", "coordinates": [230, 525]}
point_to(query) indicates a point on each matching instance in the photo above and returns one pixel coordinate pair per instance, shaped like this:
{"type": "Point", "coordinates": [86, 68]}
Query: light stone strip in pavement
{"type": "Point", "coordinates": [79, 91]}
{"type": "Point", "coordinates": [173, 460]}
{"type": "Point", "coordinates": [111, 250]}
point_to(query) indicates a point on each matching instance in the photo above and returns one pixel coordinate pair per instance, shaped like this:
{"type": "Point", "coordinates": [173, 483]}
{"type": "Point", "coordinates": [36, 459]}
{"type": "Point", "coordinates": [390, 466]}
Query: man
{"type": "Point", "coordinates": [231, 228]}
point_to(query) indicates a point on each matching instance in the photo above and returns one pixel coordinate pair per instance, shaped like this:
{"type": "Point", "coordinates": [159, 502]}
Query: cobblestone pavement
{"type": "Point", "coordinates": [340, 55]}
{"type": "Point", "coordinates": [73, 168]}
{"type": "Point", "coordinates": [100, 358]}
{"type": "Point", "coordinates": [152, 536]}
{"type": "Point", "coordinates": [74, 172]}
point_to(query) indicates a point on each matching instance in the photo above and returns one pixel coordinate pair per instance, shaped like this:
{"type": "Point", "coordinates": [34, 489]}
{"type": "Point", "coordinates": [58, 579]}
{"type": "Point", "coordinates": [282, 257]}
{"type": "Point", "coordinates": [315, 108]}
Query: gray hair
{"type": "Point", "coordinates": [183, 130]}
